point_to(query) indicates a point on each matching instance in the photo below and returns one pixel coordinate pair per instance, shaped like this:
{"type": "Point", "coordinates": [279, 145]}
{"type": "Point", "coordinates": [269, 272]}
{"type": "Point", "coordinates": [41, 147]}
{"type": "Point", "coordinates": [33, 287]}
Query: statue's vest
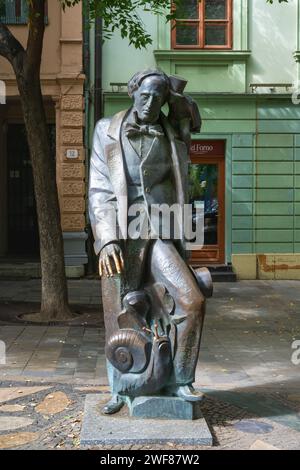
{"type": "Point", "coordinates": [148, 169]}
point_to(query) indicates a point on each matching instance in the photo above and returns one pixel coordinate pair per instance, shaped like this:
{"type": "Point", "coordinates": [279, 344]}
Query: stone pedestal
{"type": "Point", "coordinates": [121, 429]}
{"type": "Point", "coordinates": [164, 408]}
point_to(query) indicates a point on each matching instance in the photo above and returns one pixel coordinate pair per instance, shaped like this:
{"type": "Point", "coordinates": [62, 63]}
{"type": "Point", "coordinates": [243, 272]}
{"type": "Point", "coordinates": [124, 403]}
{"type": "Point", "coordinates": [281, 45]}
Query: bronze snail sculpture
{"type": "Point", "coordinates": [141, 357]}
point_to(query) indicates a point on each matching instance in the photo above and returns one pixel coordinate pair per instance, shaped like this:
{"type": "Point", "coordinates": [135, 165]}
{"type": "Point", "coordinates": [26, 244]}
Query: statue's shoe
{"type": "Point", "coordinates": [187, 393]}
{"type": "Point", "coordinates": [114, 405]}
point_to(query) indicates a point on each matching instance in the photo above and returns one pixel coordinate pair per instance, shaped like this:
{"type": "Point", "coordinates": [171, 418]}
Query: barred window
{"type": "Point", "coordinates": [16, 11]}
{"type": "Point", "coordinates": [205, 24]}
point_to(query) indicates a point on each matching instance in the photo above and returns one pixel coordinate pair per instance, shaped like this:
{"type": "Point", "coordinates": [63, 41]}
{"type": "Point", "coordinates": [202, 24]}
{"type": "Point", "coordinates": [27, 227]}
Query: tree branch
{"type": "Point", "coordinates": [10, 47]}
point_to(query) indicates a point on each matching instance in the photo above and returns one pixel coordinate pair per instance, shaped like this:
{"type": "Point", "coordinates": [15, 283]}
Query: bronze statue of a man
{"type": "Point", "coordinates": [154, 303]}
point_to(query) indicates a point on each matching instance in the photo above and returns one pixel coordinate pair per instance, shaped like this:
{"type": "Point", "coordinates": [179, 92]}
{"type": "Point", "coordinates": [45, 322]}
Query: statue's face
{"type": "Point", "coordinates": [149, 99]}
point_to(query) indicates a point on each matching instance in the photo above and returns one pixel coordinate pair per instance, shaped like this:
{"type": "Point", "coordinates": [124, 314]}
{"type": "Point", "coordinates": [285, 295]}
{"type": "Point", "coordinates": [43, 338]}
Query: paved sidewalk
{"type": "Point", "coordinates": [245, 369]}
{"type": "Point", "coordinates": [81, 291]}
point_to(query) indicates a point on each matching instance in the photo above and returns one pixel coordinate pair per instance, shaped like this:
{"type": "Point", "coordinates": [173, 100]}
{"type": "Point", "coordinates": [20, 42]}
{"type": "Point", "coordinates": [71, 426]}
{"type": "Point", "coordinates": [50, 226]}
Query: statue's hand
{"type": "Point", "coordinates": [111, 254]}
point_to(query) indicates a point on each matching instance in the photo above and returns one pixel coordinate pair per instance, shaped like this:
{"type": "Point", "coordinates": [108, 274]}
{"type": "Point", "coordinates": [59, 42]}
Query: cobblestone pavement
{"type": "Point", "coordinates": [252, 387]}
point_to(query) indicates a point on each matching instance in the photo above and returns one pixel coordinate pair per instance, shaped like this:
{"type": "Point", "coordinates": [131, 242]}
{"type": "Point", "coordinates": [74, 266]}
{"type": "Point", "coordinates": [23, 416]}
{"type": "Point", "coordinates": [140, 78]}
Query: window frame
{"type": "Point", "coordinates": [201, 21]}
{"type": "Point", "coordinates": [18, 18]}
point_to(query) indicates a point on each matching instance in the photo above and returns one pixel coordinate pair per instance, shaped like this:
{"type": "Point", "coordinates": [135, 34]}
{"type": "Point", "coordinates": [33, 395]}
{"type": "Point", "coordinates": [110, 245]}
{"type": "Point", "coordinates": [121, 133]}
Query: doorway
{"type": "Point", "coordinates": [207, 188]}
{"type": "Point", "coordinates": [22, 226]}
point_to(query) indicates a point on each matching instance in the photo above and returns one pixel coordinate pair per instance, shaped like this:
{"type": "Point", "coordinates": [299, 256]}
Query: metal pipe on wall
{"type": "Point", "coordinates": [98, 100]}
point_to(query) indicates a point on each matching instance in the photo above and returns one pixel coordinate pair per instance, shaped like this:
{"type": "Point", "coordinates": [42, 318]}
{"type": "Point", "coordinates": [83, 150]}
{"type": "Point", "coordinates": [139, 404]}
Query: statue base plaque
{"type": "Point", "coordinates": [121, 429]}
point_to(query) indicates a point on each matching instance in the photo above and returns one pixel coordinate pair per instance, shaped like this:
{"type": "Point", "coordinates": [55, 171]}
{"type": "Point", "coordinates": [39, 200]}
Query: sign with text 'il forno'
{"type": "Point", "coordinates": [208, 147]}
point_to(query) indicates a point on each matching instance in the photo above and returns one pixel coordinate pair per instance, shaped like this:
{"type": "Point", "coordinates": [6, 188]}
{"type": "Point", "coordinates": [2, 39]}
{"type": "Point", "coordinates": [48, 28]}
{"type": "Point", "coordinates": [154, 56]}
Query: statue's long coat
{"type": "Point", "coordinates": [108, 187]}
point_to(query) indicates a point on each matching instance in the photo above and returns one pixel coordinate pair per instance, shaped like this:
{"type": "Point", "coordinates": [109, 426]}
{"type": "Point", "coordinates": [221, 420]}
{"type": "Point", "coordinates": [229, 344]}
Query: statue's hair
{"type": "Point", "coordinates": [135, 82]}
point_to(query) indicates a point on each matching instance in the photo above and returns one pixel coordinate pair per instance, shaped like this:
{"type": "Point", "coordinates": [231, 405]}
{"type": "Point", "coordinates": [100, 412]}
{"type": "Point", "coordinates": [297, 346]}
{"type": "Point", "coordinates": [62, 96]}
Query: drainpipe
{"type": "Point", "coordinates": [92, 267]}
{"type": "Point", "coordinates": [98, 99]}
{"type": "Point", "coordinates": [86, 68]}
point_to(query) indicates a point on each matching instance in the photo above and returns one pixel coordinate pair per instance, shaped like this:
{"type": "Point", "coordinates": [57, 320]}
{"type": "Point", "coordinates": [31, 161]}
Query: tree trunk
{"type": "Point", "coordinates": [54, 304]}
{"type": "Point", "coordinates": [26, 64]}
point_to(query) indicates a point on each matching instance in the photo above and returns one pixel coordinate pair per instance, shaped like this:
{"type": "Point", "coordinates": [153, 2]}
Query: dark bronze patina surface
{"type": "Point", "coordinates": [154, 303]}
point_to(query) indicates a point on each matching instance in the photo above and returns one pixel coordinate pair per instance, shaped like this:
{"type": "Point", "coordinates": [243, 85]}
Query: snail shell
{"type": "Point", "coordinates": [154, 377]}
{"type": "Point", "coordinates": [129, 351]}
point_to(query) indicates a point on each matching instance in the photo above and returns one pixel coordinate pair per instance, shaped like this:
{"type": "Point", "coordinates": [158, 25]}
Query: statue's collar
{"type": "Point", "coordinates": [115, 125]}
{"type": "Point", "coordinates": [117, 120]}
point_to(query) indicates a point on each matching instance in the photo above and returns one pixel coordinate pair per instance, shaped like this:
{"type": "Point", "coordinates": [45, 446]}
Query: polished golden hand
{"type": "Point", "coordinates": [111, 260]}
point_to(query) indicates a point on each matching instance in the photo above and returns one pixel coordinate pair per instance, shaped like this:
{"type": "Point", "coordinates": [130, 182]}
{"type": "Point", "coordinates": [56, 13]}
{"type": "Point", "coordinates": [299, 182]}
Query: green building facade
{"type": "Point", "coordinates": [245, 95]}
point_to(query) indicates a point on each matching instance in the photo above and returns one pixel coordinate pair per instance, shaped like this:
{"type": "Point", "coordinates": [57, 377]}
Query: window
{"type": "Point", "coordinates": [13, 11]}
{"type": "Point", "coordinates": [203, 24]}
{"type": "Point", "coordinates": [16, 11]}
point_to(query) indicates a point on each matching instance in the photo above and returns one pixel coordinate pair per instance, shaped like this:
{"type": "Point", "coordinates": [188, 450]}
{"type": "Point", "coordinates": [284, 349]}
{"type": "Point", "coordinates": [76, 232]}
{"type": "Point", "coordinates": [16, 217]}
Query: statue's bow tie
{"type": "Point", "coordinates": [154, 130]}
